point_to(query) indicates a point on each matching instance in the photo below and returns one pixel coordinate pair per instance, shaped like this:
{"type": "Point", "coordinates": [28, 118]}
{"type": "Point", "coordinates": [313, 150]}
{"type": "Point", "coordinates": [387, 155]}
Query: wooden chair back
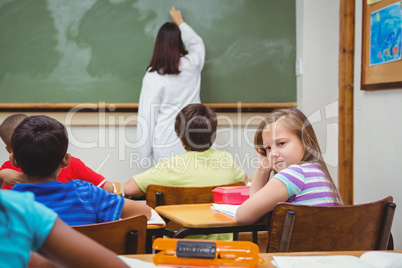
{"type": "Point", "coordinates": [125, 236]}
{"type": "Point", "coordinates": [117, 186]}
{"type": "Point", "coordinates": [159, 195]}
{"type": "Point", "coordinates": [296, 228]}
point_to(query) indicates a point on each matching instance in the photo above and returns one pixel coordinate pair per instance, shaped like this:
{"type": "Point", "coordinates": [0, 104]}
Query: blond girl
{"type": "Point", "coordinates": [287, 147]}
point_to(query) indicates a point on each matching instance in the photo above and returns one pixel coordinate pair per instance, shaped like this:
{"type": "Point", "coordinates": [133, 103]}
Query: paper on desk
{"type": "Point", "coordinates": [155, 219]}
{"type": "Point", "coordinates": [226, 209]}
{"type": "Point", "coordinates": [370, 259]}
{"type": "Point", "coordinates": [333, 261]}
{"type": "Point", "coordinates": [131, 262]}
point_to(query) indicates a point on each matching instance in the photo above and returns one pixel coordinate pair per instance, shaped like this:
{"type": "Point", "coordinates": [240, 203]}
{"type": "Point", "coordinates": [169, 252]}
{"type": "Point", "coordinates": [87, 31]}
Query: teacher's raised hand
{"type": "Point", "coordinates": [176, 16]}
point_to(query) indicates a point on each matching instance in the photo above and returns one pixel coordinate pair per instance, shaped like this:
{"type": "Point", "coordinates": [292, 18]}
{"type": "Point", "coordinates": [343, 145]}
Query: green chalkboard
{"type": "Point", "coordinates": [66, 51]}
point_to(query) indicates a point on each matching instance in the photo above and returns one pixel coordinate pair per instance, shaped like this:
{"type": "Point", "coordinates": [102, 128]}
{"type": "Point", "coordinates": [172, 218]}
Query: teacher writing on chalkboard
{"type": "Point", "coordinates": [172, 81]}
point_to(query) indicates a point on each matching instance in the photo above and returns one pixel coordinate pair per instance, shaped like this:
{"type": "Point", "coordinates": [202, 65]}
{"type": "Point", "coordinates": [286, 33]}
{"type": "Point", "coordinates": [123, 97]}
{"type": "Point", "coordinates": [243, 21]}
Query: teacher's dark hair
{"type": "Point", "coordinates": [168, 50]}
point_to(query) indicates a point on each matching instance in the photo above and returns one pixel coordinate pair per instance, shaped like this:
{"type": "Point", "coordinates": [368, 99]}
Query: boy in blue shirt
{"type": "Point", "coordinates": [39, 146]}
{"type": "Point", "coordinates": [27, 226]}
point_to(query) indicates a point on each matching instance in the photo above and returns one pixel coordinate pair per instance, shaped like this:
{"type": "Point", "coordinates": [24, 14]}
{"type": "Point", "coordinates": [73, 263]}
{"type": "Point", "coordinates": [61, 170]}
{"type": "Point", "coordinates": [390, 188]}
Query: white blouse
{"type": "Point", "coordinates": [163, 96]}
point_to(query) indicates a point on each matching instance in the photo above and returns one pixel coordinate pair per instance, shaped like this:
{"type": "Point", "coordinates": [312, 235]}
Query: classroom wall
{"type": "Point", "coordinates": [377, 145]}
{"type": "Point", "coordinates": [317, 87]}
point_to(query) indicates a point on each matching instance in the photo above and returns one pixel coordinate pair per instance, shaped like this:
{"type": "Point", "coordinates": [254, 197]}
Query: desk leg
{"type": "Point", "coordinates": [255, 237]}
{"type": "Point", "coordinates": [151, 233]}
{"type": "Point", "coordinates": [148, 245]}
{"type": "Point", "coordinates": [182, 233]}
{"type": "Point", "coordinates": [235, 236]}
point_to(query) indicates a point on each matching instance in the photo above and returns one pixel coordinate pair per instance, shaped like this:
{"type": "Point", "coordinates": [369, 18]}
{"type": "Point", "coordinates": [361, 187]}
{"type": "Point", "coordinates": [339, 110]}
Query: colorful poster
{"type": "Point", "coordinates": [372, 1]}
{"type": "Point", "coordinates": [385, 34]}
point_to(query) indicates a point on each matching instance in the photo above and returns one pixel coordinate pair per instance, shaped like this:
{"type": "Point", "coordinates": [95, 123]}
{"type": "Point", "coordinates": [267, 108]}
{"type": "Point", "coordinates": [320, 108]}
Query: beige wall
{"type": "Point", "coordinates": [377, 140]}
{"type": "Point", "coordinates": [317, 87]}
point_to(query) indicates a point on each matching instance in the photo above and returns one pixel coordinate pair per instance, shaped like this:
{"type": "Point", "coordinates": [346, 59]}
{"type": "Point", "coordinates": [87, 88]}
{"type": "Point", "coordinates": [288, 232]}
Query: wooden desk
{"type": "Point", "coordinates": [201, 219]}
{"type": "Point", "coordinates": [268, 257]}
{"type": "Point", "coordinates": [156, 230]}
{"type": "Point", "coordinates": [154, 226]}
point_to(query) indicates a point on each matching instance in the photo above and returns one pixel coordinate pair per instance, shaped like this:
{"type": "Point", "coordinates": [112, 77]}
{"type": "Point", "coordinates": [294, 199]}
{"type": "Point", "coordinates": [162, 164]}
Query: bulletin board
{"type": "Point", "coordinates": [381, 45]}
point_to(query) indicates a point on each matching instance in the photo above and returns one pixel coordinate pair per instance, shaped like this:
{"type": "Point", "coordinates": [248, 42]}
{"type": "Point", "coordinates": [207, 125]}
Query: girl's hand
{"type": "Point", "coordinates": [263, 163]}
{"type": "Point", "coordinates": [261, 174]}
{"type": "Point", "coordinates": [176, 16]}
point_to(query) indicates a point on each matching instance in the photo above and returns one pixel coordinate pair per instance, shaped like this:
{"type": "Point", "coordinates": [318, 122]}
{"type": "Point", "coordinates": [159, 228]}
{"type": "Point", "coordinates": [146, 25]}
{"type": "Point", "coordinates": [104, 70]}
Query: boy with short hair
{"type": "Point", "coordinates": [39, 147]}
{"type": "Point", "coordinates": [75, 170]}
{"type": "Point", "coordinates": [196, 126]}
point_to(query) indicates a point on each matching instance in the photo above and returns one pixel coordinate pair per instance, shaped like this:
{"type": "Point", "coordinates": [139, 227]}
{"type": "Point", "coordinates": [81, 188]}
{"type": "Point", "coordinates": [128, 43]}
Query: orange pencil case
{"type": "Point", "coordinates": [206, 253]}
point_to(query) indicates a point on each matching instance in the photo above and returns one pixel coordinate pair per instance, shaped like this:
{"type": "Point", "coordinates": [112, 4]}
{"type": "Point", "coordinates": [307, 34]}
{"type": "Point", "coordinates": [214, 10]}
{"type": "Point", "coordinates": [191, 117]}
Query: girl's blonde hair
{"type": "Point", "coordinates": [298, 123]}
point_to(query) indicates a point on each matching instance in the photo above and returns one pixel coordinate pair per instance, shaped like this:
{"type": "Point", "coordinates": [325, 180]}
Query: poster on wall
{"type": "Point", "coordinates": [372, 1]}
{"type": "Point", "coordinates": [385, 34]}
{"type": "Point", "coordinates": [381, 45]}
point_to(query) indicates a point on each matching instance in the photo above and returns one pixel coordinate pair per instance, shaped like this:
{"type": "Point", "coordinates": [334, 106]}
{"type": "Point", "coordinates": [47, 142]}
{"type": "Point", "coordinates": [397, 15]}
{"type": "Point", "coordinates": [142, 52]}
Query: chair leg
{"type": "Point", "coordinates": [287, 231]}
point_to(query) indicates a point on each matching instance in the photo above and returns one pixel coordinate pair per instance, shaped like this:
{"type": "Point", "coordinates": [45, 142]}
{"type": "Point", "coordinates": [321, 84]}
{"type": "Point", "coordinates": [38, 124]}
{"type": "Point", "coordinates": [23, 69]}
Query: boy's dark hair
{"type": "Point", "coordinates": [8, 126]}
{"type": "Point", "coordinates": [39, 144]}
{"type": "Point", "coordinates": [196, 127]}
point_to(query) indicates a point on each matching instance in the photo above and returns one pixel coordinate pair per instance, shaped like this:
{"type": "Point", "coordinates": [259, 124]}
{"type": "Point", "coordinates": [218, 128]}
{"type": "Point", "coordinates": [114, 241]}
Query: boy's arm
{"type": "Point", "coordinates": [132, 208]}
{"type": "Point", "coordinates": [108, 186]}
{"type": "Point", "coordinates": [37, 260]}
{"type": "Point", "coordinates": [131, 188]}
{"type": "Point", "coordinates": [11, 177]}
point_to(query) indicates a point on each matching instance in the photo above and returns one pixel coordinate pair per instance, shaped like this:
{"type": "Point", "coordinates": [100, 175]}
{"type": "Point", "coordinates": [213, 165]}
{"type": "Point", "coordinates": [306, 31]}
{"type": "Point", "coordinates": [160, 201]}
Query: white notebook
{"type": "Point", "coordinates": [226, 209]}
{"type": "Point", "coordinates": [370, 259]}
{"type": "Point", "coordinates": [132, 262]}
{"type": "Point", "coordinates": [155, 219]}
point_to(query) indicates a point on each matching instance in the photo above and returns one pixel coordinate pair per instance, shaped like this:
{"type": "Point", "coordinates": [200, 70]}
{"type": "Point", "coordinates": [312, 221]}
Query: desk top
{"type": "Point", "coordinates": [155, 226]}
{"type": "Point", "coordinates": [197, 216]}
{"type": "Point", "coordinates": [268, 257]}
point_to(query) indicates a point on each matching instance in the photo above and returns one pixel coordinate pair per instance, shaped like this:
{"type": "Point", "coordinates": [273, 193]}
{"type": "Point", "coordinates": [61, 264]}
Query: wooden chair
{"type": "Point", "coordinates": [312, 228]}
{"type": "Point", "coordinates": [117, 186]}
{"type": "Point", "coordinates": [159, 195]}
{"type": "Point", "coordinates": [125, 236]}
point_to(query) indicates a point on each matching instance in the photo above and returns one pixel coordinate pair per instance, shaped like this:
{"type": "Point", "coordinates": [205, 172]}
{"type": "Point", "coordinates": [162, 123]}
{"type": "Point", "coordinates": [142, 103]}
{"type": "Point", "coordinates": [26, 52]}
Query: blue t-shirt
{"type": "Point", "coordinates": [24, 227]}
{"type": "Point", "coordinates": [76, 202]}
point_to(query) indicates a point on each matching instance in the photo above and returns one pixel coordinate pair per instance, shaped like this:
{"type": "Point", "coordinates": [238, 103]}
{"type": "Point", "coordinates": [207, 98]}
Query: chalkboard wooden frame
{"type": "Point", "coordinates": [244, 107]}
{"type": "Point", "coordinates": [381, 76]}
